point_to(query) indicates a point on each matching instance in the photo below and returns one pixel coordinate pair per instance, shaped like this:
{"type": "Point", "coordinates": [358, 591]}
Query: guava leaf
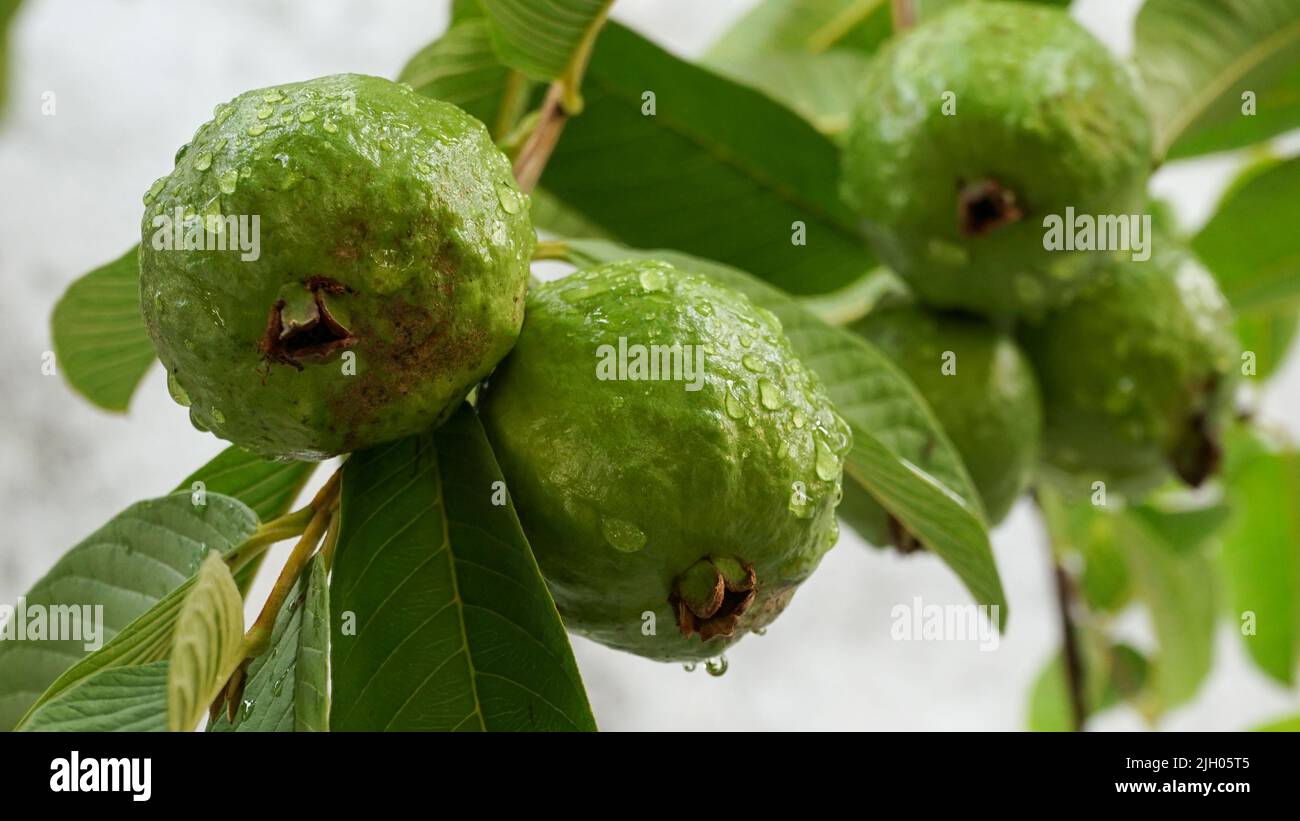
{"type": "Point", "coordinates": [100, 342]}
{"type": "Point", "coordinates": [1250, 243]}
{"type": "Point", "coordinates": [1198, 58]}
{"type": "Point", "coordinates": [1269, 337]}
{"type": "Point", "coordinates": [1178, 588]}
{"type": "Point", "coordinates": [441, 619]}
{"type": "Point", "coordinates": [1261, 555]}
{"type": "Point", "coordinates": [288, 686]}
{"type": "Point", "coordinates": [900, 454]}
{"type": "Point", "coordinates": [1285, 725]}
{"type": "Point", "coordinates": [115, 699]}
{"type": "Point", "coordinates": [1113, 674]}
{"type": "Point", "coordinates": [267, 487]}
{"type": "Point", "coordinates": [544, 38]}
{"type": "Point", "coordinates": [206, 644]}
{"type": "Point", "coordinates": [719, 169]}
{"type": "Point", "coordinates": [461, 67]}
{"type": "Point", "coordinates": [822, 88]}
{"type": "Point", "coordinates": [804, 26]}
{"type": "Point", "coordinates": [143, 556]}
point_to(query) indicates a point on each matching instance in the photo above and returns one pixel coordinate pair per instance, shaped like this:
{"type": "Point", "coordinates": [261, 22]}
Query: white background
{"type": "Point", "coordinates": [133, 79]}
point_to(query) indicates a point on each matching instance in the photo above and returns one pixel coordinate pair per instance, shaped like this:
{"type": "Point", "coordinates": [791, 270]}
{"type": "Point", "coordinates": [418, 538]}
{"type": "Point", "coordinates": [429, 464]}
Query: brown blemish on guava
{"type": "Point", "coordinates": [315, 340]}
{"type": "Point", "coordinates": [985, 205]}
{"type": "Point", "coordinates": [720, 615]}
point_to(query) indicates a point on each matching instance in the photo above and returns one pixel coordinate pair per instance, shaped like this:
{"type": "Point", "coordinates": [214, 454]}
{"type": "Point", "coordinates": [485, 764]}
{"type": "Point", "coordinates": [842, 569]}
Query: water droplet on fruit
{"type": "Point", "coordinates": [799, 419]}
{"type": "Point", "coordinates": [623, 535]}
{"type": "Point", "coordinates": [735, 408]}
{"type": "Point", "coordinates": [716, 666]}
{"type": "Point", "coordinates": [329, 127]}
{"type": "Point", "coordinates": [218, 417]}
{"type": "Point", "coordinates": [754, 363]}
{"type": "Point", "coordinates": [273, 96]}
{"type": "Point", "coordinates": [228, 180]}
{"type": "Point", "coordinates": [689, 667]}
{"type": "Point", "coordinates": [827, 464]}
{"type": "Point", "coordinates": [386, 145]}
{"type": "Point", "coordinates": [178, 393]}
{"type": "Point", "coordinates": [653, 279]}
{"type": "Point", "coordinates": [510, 199]}
{"type": "Point", "coordinates": [256, 129]}
{"type": "Point", "coordinates": [306, 116]}
{"type": "Point", "coordinates": [203, 161]}
{"type": "Point", "coordinates": [154, 189]}
{"type": "Point", "coordinates": [265, 112]}
{"type": "Point", "coordinates": [759, 631]}
{"type": "Point", "coordinates": [769, 394]}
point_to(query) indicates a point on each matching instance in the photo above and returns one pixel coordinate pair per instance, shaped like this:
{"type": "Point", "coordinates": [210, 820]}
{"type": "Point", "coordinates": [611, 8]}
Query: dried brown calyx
{"type": "Point", "coordinates": [985, 205]}
{"type": "Point", "coordinates": [305, 324]}
{"type": "Point", "coordinates": [711, 596]}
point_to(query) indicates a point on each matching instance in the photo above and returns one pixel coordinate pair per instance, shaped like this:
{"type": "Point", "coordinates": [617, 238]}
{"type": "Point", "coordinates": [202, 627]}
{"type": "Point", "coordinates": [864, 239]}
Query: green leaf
{"type": "Point", "coordinates": [900, 454]}
{"type": "Point", "coordinates": [1285, 725]}
{"type": "Point", "coordinates": [207, 644]}
{"type": "Point", "coordinates": [699, 174]}
{"type": "Point", "coordinates": [1250, 242]}
{"type": "Point", "coordinates": [269, 488]}
{"type": "Point", "coordinates": [1113, 674]}
{"type": "Point", "coordinates": [442, 619]}
{"type": "Point", "coordinates": [822, 88]}
{"type": "Point", "coordinates": [100, 341]}
{"type": "Point", "coordinates": [545, 39]}
{"type": "Point", "coordinates": [1177, 587]}
{"type": "Point", "coordinates": [461, 67]}
{"type": "Point", "coordinates": [1198, 57]}
{"type": "Point", "coordinates": [127, 567]}
{"type": "Point", "coordinates": [115, 699]}
{"type": "Point", "coordinates": [804, 26]}
{"type": "Point", "coordinates": [287, 689]}
{"type": "Point", "coordinates": [1269, 336]}
{"type": "Point", "coordinates": [1261, 555]}
{"type": "Point", "coordinates": [8, 9]}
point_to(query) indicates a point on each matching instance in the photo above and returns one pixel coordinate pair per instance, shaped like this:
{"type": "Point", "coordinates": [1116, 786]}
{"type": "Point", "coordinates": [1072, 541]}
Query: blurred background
{"type": "Point", "coordinates": [132, 79]}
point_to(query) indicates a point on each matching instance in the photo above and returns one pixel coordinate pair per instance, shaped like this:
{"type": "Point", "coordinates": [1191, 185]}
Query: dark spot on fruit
{"type": "Point", "coordinates": [985, 205]}
{"type": "Point", "coordinates": [314, 340]}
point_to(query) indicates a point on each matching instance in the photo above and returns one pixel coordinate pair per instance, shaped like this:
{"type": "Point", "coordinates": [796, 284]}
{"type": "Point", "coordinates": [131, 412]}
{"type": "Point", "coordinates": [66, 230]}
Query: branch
{"type": "Point", "coordinates": [1074, 672]}
{"type": "Point", "coordinates": [541, 142]}
{"type": "Point", "coordinates": [903, 13]}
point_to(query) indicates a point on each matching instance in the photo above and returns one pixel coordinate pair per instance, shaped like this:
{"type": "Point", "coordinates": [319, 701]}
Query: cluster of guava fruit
{"type": "Point", "coordinates": [974, 134]}
{"type": "Point", "coordinates": [670, 516]}
{"type": "Point", "coordinates": [673, 515]}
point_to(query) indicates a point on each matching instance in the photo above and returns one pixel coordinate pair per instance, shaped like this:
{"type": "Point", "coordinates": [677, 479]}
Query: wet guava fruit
{"type": "Point", "coordinates": [332, 264]}
{"type": "Point", "coordinates": [974, 128]}
{"type": "Point", "coordinates": [674, 465]}
{"type": "Point", "coordinates": [1137, 376]}
{"type": "Point", "coordinates": [981, 388]}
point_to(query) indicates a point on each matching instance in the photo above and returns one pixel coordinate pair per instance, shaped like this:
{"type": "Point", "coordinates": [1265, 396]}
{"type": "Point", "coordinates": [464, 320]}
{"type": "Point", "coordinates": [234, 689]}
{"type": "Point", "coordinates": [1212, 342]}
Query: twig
{"type": "Point", "coordinates": [1074, 672]}
{"type": "Point", "coordinates": [903, 13]}
{"type": "Point", "coordinates": [542, 141]}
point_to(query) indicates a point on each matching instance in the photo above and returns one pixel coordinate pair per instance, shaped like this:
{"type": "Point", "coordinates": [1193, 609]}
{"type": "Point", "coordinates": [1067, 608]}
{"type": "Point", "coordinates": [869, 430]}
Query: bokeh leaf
{"type": "Point", "coordinates": [1250, 243]}
{"type": "Point", "coordinates": [1113, 674]}
{"type": "Point", "coordinates": [805, 26]}
{"type": "Point", "coordinates": [452, 627]}
{"type": "Point", "coordinates": [698, 175]}
{"type": "Point", "coordinates": [1261, 554]}
{"type": "Point", "coordinates": [287, 687]}
{"type": "Point", "coordinates": [1198, 57]}
{"type": "Point", "coordinates": [100, 342]}
{"type": "Point", "coordinates": [207, 644]}
{"type": "Point", "coordinates": [127, 566]}
{"type": "Point", "coordinates": [115, 699]}
{"type": "Point", "coordinates": [900, 454]}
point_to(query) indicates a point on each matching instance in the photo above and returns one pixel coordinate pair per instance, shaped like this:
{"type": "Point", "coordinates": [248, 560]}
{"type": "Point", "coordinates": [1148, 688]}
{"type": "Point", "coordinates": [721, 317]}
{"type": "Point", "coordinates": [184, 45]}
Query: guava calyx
{"type": "Point", "coordinates": [301, 325]}
{"type": "Point", "coordinates": [986, 205]}
{"type": "Point", "coordinates": [1198, 454]}
{"type": "Point", "coordinates": [711, 596]}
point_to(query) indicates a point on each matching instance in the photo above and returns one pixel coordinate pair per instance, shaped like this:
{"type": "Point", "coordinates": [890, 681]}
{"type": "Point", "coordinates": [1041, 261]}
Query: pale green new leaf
{"type": "Point", "coordinates": [444, 620]}
{"type": "Point", "coordinates": [128, 566]}
{"type": "Point", "coordinates": [207, 644]}
{"type": "Point", "coordinates": [100, 342]}
{"type": "Point", "coordinates": [900, 454]}
{"type": "Point", "coordinates": [115, 699]}
{"type": "Point", "coordinates": [1198, 58]}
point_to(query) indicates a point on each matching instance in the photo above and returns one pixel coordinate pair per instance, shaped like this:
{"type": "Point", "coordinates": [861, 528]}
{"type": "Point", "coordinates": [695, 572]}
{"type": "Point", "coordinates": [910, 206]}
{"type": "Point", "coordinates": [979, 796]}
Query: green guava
{"type": "Point", "coordinates": [981, 388]}
{"type": "Point", "coordinates": [387, 277]}
{"type": "Point", "coordinates": [1137, 375]}
{"type": "Point", "coordinates": [972, 130]}
{"type": "Point", "coordinates": [674, 465]}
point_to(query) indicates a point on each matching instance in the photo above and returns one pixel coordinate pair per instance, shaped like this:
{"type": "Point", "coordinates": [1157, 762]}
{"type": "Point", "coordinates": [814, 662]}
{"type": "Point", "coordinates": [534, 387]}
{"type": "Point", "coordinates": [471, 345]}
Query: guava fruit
{"type": "Point", "coordinates": [981, 388]}
{"type": "Point", "coordinates": [672, 508]}
{"type": "Point", "coordinates": [387, 278]}
{"type": "Point", "coordinates": [1137, 375]}
{"type": "Point", "coordinates": [975, 127]}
